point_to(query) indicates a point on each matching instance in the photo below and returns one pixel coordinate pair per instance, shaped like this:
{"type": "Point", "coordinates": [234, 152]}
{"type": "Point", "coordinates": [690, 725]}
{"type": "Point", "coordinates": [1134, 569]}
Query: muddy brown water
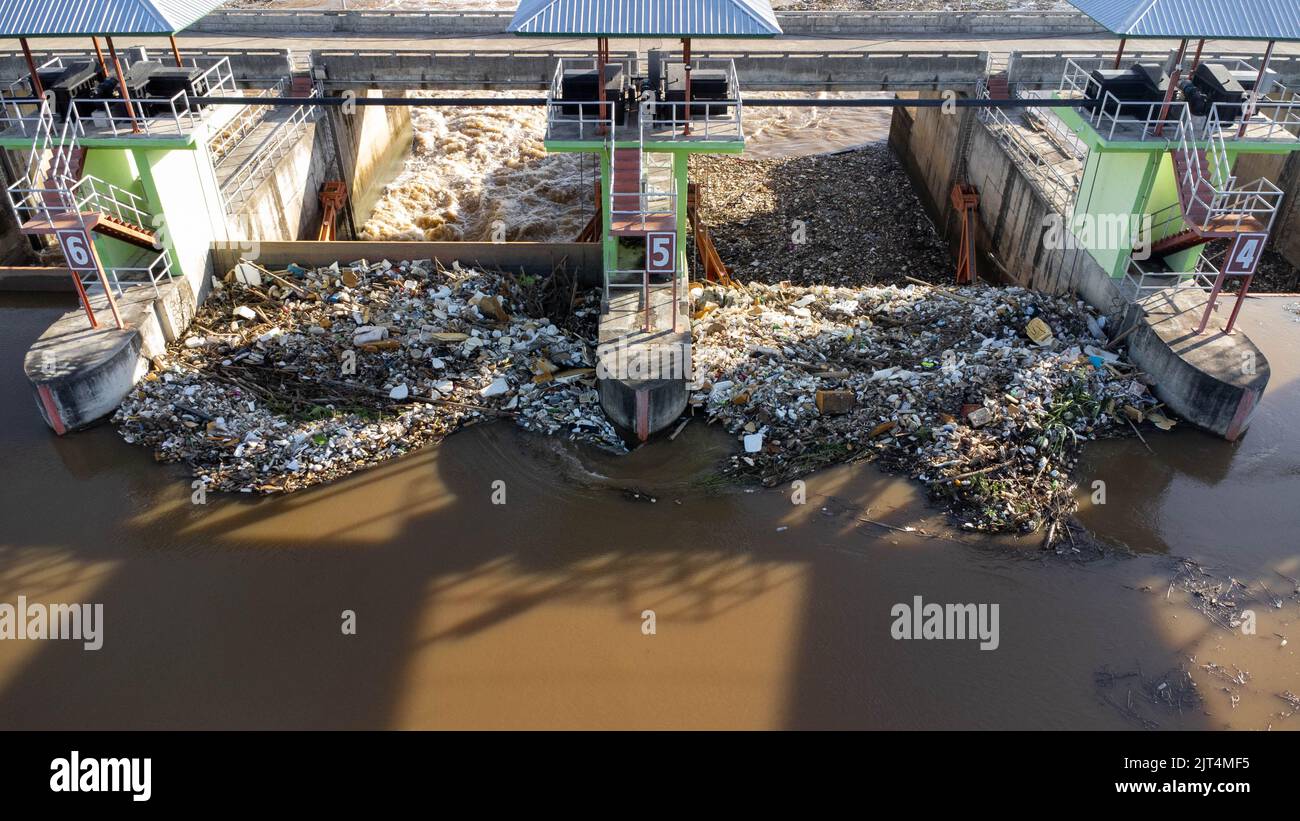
{"type": "Point", "coordinates": [529, 614]}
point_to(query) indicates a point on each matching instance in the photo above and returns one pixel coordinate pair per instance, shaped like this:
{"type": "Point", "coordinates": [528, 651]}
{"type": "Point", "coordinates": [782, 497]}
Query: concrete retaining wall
{"type": "Point", "coordinates": [535, 258]}
{"type": "Point", "coordinates": [376, 141]}
{"type": "Point", "coordinates": [354, 68]}
{"type": "Point", "coordinates": [1013, 215]}
{"type": "Point", "coordinates": [286, 205]}
{"type": "Point", "coordinates": [793, 23]}
{"type": "Point", "coordinates": [1284, 171]}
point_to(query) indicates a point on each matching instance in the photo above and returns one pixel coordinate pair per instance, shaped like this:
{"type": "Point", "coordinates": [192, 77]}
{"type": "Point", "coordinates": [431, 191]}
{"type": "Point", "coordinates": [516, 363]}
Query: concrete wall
{"type": "Point", "coordinates": [1013, 216]}
{"type": "Point", "coordinates": [183, 186]}
{"type": "Point", "coordinates": [375, 141]}
{"type": "Point", "coordinates": [286, 205]}
{"type": "Point", "coordinates": [15, 247]}
{"type": "Point", "coordinates": [1284, 172]}
{"type": "Point", "coordinates": [536, 258]}
{"type": "Point", "coordinates": [793, 23]}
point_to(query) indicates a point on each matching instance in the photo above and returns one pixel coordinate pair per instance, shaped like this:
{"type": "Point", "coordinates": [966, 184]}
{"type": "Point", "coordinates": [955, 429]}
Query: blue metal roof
{"type": "Point", "coordinates": [645, 18]}
{"type": "Point", "coordinates": [1197, 19]}
{"type": "Point", "coordinates": [73, 18]}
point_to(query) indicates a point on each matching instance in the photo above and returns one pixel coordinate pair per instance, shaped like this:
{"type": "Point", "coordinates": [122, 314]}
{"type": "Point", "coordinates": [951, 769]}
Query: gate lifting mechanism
{"type": "Point", "coordinates": [966, 200]}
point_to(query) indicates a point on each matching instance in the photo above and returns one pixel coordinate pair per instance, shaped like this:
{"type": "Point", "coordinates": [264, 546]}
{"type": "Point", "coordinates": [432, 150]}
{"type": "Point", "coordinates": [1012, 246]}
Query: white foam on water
{"type": "Point", "coordinates": [472, 167]}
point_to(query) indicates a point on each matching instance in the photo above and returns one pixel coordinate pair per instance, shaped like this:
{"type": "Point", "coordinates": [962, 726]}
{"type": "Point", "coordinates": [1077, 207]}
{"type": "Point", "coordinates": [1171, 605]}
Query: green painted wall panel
{"type": "Point", "coordinates": [184, 186]}
{"type": "Point", "coordinates": [1111, 196]}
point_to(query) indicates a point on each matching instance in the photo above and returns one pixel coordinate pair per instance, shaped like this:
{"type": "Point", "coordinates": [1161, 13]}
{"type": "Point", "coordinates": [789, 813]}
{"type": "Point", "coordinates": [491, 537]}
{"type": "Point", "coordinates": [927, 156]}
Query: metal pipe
{"type": "Point", "coordinates": [507, 102]}
{"type": "Point", "coordinates": [601, 45]}
{"type": "Point", "coordinates": [1236, 306]}
{"type": "Point", "coordinates": [99, 55]}
{"type": "Point", "coordinates": [1209, 305]}
{"type": "Point", "coordinates": [1196, 61]}
{"type": "Point", "coordinates": [1119, 55]}
{"type": "Point", "coordinates": [686, 60]}
{"type": "Point", "coordinates": [1254, 92]}
{"type": "Point", "coordinates": [176, 53]}
{"type": "Point", "coordinates": [1173, 86]}
{"type": "Point", "coordinates": [37, 88]}
{"type": "Point", "coordinates": [121, 85]}
{"type": "Point", "coordinates": [85, 300]}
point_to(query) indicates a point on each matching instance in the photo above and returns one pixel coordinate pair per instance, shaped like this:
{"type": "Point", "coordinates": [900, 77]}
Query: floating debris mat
{"type": "Point", "coordinates": [984, 394]}
{"type": "Point", "coordinates": [292, 378]}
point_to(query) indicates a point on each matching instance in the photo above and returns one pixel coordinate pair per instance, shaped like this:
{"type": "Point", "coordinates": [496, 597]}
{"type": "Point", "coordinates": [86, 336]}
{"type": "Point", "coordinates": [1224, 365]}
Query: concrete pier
{"type": "Point", "coordinates": [1213, 380]}
{"type": "Point", "coordinates": [82, 374]}
{"type": "Point", "coordinates": [642, 375]}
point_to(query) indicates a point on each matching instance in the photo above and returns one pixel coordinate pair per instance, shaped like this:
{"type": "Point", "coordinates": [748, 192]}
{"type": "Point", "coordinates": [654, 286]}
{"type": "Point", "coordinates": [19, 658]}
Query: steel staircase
{"type": "Point", "coordinates": [642, 198]}
{"type": "Point", "coordinates": [637, 208]}
{"type": "Point", "coordinates": [55, 195]}
{"type": "Point", "coordinates": [1211, 205]}
{"type": "Point", "coordinates": [642, 201]}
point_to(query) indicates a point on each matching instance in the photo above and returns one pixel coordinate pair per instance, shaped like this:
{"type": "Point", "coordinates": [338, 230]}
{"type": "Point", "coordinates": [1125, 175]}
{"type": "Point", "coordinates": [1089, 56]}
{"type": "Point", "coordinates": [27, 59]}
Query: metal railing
{"type": "Point", "coordinates": [1210, 196]}
{"type": "Point", "coordinates": [44, 187]}
{"type": "Point", "coordinates": [668, 120]}
{"type": "Point", "coordinates": [237, 188]}
{"type": "Point", "coordinates": [154, 116]}
{"type": "Point", "coordinates": [1148, 119]}
{"type": "Point", "coordinates": [683, 123]}
{"type": "Point", "coordinates": [153, 273]}
{"type": "Point", "coordinates": [22, 86]}
{"type": "Point", "coordinates": [217, 80]}
{"type": "Point", "coordinates": [21, 114]}
{"type": "Point", "coordinates": [150, 116]}
{"type": "Point", "coordinates": [1041, 170]}
{"type": "Point", "coordinates": [1272, 117]}
{"type": "Point", "coordinates": [665, 208]}
{"type": "Point", "coordinates": [231, 135]}
{"type": "Point", "coordinates": [640, 279]}
{"type": "Point", "coordinates": [651, 203]}
{"type": "Point", "coordinates": [1266, 120]}
{"type": "Point", "coordinates": [564, 114]}
{"type": "Point", "coordinates": [1145, 281]}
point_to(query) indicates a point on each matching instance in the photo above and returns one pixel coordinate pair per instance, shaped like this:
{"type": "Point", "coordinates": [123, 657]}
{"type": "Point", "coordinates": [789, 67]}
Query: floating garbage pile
{"type": "Point", "coordinates": [849, 218]}
{"type": "Point", "coordinates": [984, 394]}
{"type": "Point", "coordinates": [299, 377]}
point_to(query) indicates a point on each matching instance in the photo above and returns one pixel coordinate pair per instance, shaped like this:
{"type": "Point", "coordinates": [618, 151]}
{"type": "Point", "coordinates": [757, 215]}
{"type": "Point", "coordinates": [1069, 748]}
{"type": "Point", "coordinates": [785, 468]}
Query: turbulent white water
{"type": "Point", "coordinates": [481, 174]}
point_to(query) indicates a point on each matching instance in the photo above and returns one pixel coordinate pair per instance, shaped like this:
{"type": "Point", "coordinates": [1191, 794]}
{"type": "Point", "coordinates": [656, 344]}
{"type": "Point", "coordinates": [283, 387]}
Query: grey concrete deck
{"type": "Point", "coordinates": [246, 148]}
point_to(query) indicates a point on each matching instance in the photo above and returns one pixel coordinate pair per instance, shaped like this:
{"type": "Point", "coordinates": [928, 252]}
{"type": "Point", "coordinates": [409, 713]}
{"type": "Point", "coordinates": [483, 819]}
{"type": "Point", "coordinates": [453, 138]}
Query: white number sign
{"type": "Point", "coordinates": [77, 250]}
{"type": "Point", "coordinates": [1244, 255]}
{"type": "Point", "coordinates": [661, 252]}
